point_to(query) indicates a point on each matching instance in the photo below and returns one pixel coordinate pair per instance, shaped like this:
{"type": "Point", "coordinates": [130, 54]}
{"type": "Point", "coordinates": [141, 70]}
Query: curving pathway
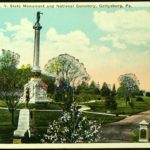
{"type": "Point", "coordinates": [122, 130]}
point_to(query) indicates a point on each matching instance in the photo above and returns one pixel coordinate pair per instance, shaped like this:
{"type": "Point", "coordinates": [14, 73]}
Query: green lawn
{"type": "Point", "coordinates": [39, 123]}
{"type": "Point", "coordinates": [41, 119]}
{"type": "Point", "coordinates": [101, 119]}
{"type": "Point", "coordinates": [2, 103]}
{"type": "Point", "coordinates": [43, 106]}
{"type": "Point", "coordinates": [99, 106]}
{"type": "Point", "coordinates": [6, 128]}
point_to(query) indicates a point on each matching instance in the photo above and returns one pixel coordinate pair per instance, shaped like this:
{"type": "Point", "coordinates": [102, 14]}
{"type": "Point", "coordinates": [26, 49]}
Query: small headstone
{"type": "Point", "coordinates": [143, 131]}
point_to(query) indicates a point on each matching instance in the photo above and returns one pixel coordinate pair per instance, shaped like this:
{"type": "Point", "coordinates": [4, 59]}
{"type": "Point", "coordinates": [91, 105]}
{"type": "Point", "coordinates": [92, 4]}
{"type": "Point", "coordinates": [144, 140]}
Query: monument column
{"type": "Point", "coordinates": [37, 27]}
{"type": "Point", "coordinates": [36, 87]}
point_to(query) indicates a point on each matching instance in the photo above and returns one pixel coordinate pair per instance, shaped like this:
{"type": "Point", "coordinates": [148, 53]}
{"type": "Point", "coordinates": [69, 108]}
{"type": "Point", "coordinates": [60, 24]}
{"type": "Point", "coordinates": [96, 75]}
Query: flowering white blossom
{"type": "Point", "coordinates": [72, 127]}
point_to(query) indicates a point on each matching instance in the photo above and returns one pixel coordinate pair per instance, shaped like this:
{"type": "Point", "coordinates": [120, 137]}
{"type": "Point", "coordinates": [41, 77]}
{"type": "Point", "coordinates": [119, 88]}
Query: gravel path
{"type": "Point", "coordinates": [134, 119]}
{"type": "Point", "coordinates": [123, 129]}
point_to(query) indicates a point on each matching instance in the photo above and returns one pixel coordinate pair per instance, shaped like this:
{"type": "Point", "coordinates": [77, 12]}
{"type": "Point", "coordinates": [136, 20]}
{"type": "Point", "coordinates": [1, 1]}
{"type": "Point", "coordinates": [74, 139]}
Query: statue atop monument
{"type": "Point", "coordinates": [38, 16]}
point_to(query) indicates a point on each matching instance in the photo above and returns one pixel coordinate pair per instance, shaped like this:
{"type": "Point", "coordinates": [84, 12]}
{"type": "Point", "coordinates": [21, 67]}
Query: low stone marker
{"type": "Point", "coordinates": [143, 131]}
{"type": "Point", "coordinates": [23, 125]}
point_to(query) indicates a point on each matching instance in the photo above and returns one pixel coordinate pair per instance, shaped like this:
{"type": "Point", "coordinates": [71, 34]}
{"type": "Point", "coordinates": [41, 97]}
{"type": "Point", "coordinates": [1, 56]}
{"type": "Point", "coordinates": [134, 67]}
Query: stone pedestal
{"type": "Point", "coordinates": [37, 91]}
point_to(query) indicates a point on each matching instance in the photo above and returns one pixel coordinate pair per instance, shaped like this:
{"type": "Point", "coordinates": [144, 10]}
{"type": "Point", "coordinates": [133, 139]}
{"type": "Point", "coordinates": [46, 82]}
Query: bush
{"type": "Point", "coordinates": [110, 103]}
{"type": "Point", "coordinates": [139, 99]}
{"type": "Point", "coordinates": [135, 136]}
{"type": "Point", "coordinates": [72, 127]}
{"type": "Point", "coordinates": [131, 104]}
{"type": "Point", "coordinates": [148, 94]}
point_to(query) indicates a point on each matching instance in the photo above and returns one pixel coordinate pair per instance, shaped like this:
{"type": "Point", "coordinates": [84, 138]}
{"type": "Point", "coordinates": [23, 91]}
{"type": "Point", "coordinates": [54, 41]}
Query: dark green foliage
{"type": "Point", "coordinates": [6, 127]}
{"type": "Point", "coordinates": [141, 93]}
{"type": "Point", "coordinates": [131, 104]}
{"type": "Point", "coordinates": [120, 91]}
{"type": "Point", "coordinates": [139, 99]}
{"type": "Point", "coordinates": [94, 89]}
{"type": "Point", "coordinates": [105, 91]}
{"type": "Point", "coordinates": [24, 74]}
{"type": "Point", "coordinates": [9, 58]}
{"type": "Point", "coordinates": [110, 103]}
{"type": "Point", "coordinates": [129, 86]}
{"type": "Point", "coordinates": [83, 97]}
{"type": "Point", "coordinates": [135, 136]}
{"type": "Point", "coordinates": [43, 118]}
{"type": "Point", "coordinates": [9, 80]}
{"type": "Point", "coordinates": [85, 92]}
{"type": "Point", "coordinates": [148, 94]}
{"type": "Point", "coordinates": [114, 92]}
{"type": "Point", "coordinates": [50, 81]}
{"type": "Point", "coordinates": [82, 88]}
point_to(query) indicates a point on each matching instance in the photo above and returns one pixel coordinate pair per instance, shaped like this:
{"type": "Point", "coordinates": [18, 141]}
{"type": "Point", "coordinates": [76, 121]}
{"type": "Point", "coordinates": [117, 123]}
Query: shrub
{"type": "Point", "coordinates": [148, 94]}
{"type": "Point", "coordinates": [72, 127]}
{"type": "Point", "coordinates": [110, 103]}
{"type": "Point", "coordinates": [139, 99]}
{"type": "Point", "coordinates": [135, 136]}
{"type": "Point", "coordinates": [131, 104]}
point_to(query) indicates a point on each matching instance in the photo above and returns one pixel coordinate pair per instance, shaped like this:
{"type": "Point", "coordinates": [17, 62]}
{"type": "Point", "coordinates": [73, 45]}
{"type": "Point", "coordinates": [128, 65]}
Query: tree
{"type": "Point", "coordinates": [82, 88]}
{"type": "Point", "coordinates": [105, 91]}
{"type": "Point", "coordinates": [68, 73]}
{"type": "Point", "coordinates": [94, 88]}
{"type": "Point", "coordinates": [147, 94]}
{"type": "Point", "coordinates": [72, 127]}
{"type": "Point", "coordinates": [114, 92]}
{"type": "Point", "coordinates": [129, 85]}
{"type": "Point", "coordinates": [9, 80]}
{"type": "Point", "coordinates": [24, 75]}
{"type": "Point", "coordinates": [110, 102]}
{"type": "Point", "coordinates": [9, 58]}
{"type": "Point", "coordinates": [50, 81]}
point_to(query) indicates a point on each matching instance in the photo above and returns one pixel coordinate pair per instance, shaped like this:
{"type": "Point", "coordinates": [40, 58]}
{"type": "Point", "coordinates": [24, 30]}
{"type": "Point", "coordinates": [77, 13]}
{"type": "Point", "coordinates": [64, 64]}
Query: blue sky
{"type": "Point", "coordinates": [110, 42]}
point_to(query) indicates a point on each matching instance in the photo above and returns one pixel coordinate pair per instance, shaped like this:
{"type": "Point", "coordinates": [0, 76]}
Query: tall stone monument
{"type": "Point", "coordinates": [35, 90]}
{"type": "Point", "coordinates": [37, 27]}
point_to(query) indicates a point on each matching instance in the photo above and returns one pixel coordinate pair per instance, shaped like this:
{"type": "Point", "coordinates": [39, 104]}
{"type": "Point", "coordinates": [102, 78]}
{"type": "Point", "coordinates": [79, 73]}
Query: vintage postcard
{"type": "Point", "coordinates": [75, 75]}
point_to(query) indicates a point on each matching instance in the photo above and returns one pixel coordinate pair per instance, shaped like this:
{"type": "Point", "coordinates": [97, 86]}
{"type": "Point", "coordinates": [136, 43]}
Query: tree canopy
{"type": "Point", "coordinates": [9, 80]}
{"type": "Point", "coordinates": [68, 68]}
{"type": "Point", "coordinates": [9, 58]}
{"type": "Point", "coordinates": [105, 90]}
{"type": "Point", "coordinates": [129, 85]}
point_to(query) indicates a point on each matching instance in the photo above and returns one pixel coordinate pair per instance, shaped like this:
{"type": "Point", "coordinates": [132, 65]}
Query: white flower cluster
{"type": "Point", "coordinates": [72, 127]}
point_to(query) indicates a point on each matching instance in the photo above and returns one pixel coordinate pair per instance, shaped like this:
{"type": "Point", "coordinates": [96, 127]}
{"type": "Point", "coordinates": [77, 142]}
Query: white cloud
{"type": "Point", "coordinates": [103, 49]}
{"type": "Point", "coordinates": [76, 40]}
{"type": "Point", "coordinates": [130, 27]}
{"type": "Point", "coordinates": [22, 31]}
{"type": "Point", "coordinates": [114, 40]}
{"type": "Point", "coordinates": [18, 38]}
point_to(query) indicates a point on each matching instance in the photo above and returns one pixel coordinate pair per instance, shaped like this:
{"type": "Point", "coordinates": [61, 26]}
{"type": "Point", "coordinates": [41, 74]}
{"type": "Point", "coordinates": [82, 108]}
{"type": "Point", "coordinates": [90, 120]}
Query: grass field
{"type": "Point", "coordinates": [6, 128]}
{"type": "Point", "coordinates": [99, 106]}
{"type": "Point", "coordinates": [41, 119]}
